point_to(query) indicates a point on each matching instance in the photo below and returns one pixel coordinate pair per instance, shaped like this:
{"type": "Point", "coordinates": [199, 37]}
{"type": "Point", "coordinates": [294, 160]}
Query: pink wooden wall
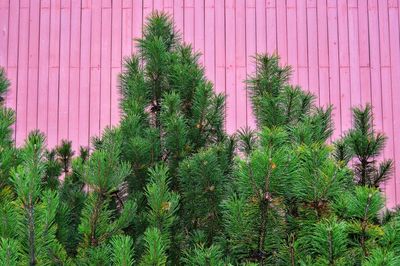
{"type": "Point", "coordinates": [63, 57]}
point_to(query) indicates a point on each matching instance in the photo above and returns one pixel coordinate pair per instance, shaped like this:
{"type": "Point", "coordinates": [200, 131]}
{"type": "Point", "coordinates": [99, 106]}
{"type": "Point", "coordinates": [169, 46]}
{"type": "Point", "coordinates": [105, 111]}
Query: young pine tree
{"type": "Point", "coordinates": [169, 109]}
{"type": "Point", "coordinates": [103, 173]}
{"type": "Point", "coordinates": [364, 145]}
{"type": "Point", "coordinates": [292, 202]}
{"type": "Point", "coordinates": [32, 228]}
{"type": "Point", "coordinates": [72, 199]}
{"type": "Point", "coordinates": [172, 117]}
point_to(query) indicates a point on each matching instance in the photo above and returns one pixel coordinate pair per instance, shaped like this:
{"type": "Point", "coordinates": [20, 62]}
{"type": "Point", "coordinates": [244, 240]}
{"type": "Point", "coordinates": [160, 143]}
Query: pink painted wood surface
{"type": "Point", "coordinates": [63, 58]}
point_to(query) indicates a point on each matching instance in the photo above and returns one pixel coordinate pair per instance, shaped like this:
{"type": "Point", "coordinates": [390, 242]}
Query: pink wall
{"type": "Point", "coordinates": [63, 57]}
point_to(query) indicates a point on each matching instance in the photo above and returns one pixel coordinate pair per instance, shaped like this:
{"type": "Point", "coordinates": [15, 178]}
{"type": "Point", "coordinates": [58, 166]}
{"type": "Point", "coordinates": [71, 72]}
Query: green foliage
{"type": "Point", "coordinates": [65, 154]}
{"type": "Point", "coordinates": [33, 228]}
{"type": "Point", "coordinates": [318, 179]}
{"type": "Point", "coordinates": [72, 200]}
{"type": "Point", "coordinates": [163, 204]}
{"type": "Point", "coordinates": [293, 200]}
{"type": "Point", "coordinates": [169, 187]}
{"type": "Point", "coordinates": [380, 257]}
{"type": "Point", "coordinates": [155, 252]}
{"type": "Point", "coordinates": [203, 183]}
{"type": "Point", "coordinates": [8, 154]}
{"type": "Point", "coordinates": [364, 144]}
{"type": "Point", "coordinates": [4, 83]}
{"type": "Point", "coordinates": [326, 242]}
{"type": "Point", "coordinates": [275, 102]}
{"type": "Point", "coordinates": [172, 122]}
{"type": "Point", "coordinates": [9, 251]}
{"type": "Point", "coordinates": [169, 108]}
{"type": "Point", "coordinates": [53, 170]}
{"type": "Point", "coordinates": [103, 173]}
{"type": "Point", "coordinates": [201, 255]}
{"type": "Point", "coordinates": [122, 251]}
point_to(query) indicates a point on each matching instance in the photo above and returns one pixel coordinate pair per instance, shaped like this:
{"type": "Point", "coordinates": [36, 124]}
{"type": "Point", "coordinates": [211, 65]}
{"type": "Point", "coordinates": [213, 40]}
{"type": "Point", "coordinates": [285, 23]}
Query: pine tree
{"type": "Point", "coordinates": [100, 221]}
{"type": "Point", "coordinates": [32, 228]}
{"type": "Point", "coordinates": [293, 200]}
{"type": "Point", "coordinates": [169, 108]}
{"type": "Point", "coordinates": [364, 144]}
{"type": "Point", "coordinates": [72, 200]}
{"type": "Point", "coordinates": [172, 117]}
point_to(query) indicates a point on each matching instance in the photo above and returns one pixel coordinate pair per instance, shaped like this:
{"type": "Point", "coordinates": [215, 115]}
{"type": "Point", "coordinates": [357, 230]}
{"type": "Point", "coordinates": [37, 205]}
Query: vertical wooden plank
{"type": "Point", "coordinates": [292, 38]}
{"type": "Point", "coordinates": [271, 27]}
{"type": "Point", "coordinates": [44, 54]}
{"type": "Point", "coordinates": [12, 56]}
{"type": "Point", "coordinates": [95, 75]}
{"type": "Point", "coordinates": [323, 55]}
{"type": "Point", "coordinates": [105, 3]}
{"type": "Point", "coordinates": [137, 23]}
{"type": "Point", "coordinates": [158, 5]}
{"type": "Point", "coordinates": [385, 42]}
{"type": "Point", "coordinates": [127, 27]}
{"type": "Point", "coordinates": [312, 40]}
{"type": "Point", "coordinates": [199, 28]}
{"type": "Point", "coordinates": [12, 60]}
{"type": "Point", "coordinates": [261, 41]}
{"type": "Point", "coordinates": [115, 96]}
{"type": "Point", "coordinates": [63, 102]}
{"type": "Point", "coordinates": [4, 10]}
{"type": "Point", "coordinates": [365, 78]}
{"type": "Point", "coordinates": [178, 16]}
{"type": "Point", "coordinates": [250, 53]}
{"type": "Point", "coordinates": [322, 20]}
{"type": "Point", "coordinates": [105, 85]}
{"type": "Point", "coordinates": [116, 57]}
{"type": "Point", "coordinates": [85, 71]}
{"type": "Point", "coordinates": [230, 66]}
{"type": "Point", "coordinates": [343, 34]}
{"type": "Point", "coordinates": [330, 78]}
{"type": "Point", "coordinates": [281, 25]}
{"type": "Point", "coordinates": [354, 53]}
{"type": "Point", "coordinates": [395, 72]}
{"type": "Point", "coordinates": [220, 46]}
{"type": "Point", "coordinates": [54, 71]}
{"type": "Point", "coordinates": [390, 185]}
{"type": "Point", "coordinates": [209, 48]}
{"type": "Point", "coordinates": [169, 7]}
{"type": "Point", "coordinates": [396, 113]}
{"type": "Point", "coordinates": [147, 8]}
{"type": "Point", "coordinates": [302, 48]}
{"type": "Point", "coordinates": [23, 58]}
{"type": "Point", "coordinates": [240, 36]}
{"type": "Point", "coordinates": [74, 77]}
{"type": "Point", "coordinates": [188, 23]}
{"type": "Point", "coordinates": [376, 92]}
{"type": "Point", "coordinates": [33, 65]}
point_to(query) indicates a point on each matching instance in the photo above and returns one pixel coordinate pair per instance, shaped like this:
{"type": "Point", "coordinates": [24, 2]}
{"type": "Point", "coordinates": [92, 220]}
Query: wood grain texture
{"type": "Point", "coordinates": [63, 58]}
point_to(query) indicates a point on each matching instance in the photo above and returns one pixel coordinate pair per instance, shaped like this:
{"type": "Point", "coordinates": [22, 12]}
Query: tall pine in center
{"type": "Point", "coordinates": [173, 120]}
